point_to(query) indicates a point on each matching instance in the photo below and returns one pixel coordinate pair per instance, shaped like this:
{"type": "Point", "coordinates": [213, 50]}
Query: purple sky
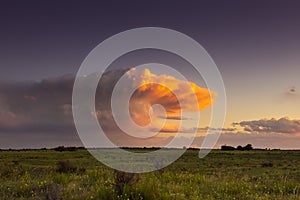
{"type": "Point", "coordinates": [48, 39]}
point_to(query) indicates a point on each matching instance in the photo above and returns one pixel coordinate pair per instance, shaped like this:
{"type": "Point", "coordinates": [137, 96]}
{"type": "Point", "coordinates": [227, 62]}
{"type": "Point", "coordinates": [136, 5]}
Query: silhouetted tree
{"type": "Point", "coordinates": [240, 148]}
{"type": "Point", "coordinates": [248, 147]}
{"type": "Point", "coordinates": [59, 148]}
{"type": "Point", "coordinates": [227, 148]}
{"type": "Point", "coordinates": [62, 148]}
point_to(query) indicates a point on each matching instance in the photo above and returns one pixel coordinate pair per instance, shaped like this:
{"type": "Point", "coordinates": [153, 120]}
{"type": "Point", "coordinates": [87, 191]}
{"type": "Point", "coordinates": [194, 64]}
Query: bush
{"type": "Point", "coordinates": [240, 148]}
{"type": "Point", "coordinates": [62, 148]}
{"type": "Point", "coordinates": [267, 164]}
{"type": "Point", "coordinates": [123, 179]}
{"type": "Point", "coordinates": [248, 147]}
{"type": "Point", "coordinates": [65, 167]}
{"type": "Point", "coordinates": [227, 148]}
{"type": "Point", "coordinates": [54, 192]}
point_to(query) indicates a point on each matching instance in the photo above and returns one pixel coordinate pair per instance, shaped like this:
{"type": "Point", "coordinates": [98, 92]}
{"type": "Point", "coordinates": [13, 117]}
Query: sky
{"type": "Point", "coordinates": [255, 45]}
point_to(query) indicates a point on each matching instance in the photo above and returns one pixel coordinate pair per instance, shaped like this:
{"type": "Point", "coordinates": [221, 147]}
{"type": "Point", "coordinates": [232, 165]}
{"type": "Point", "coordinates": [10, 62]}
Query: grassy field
{"type": "Point", "coordinates": [49, 174]}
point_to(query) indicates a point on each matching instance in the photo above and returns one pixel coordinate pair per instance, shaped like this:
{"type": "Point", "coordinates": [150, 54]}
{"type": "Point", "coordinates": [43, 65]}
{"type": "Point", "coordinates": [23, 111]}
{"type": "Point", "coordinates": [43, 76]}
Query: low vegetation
{"type": "Point", "coordinates": [68, 174]}
{"type": "Point", "coordinates": [248, 147]}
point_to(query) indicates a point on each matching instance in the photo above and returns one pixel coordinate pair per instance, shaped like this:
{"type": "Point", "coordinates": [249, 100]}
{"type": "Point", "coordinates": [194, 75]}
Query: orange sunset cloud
{"type": "Point", "coordinates": [189, 98]}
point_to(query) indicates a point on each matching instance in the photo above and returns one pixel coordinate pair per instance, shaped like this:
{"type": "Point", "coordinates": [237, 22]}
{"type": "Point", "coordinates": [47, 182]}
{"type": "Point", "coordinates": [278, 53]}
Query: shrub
{"type": "Point", "coordinates": [122, 179]}
{"type": "Point", "coordinates": [248, 147]}
{"type": "Point", "coordinates": [240, 148]}
{"type": "Point", "coordinates": [54, 192]}
{"type": "Point", "coordinates": [62, 148]}
{"type": "Point", "coordinates": [227, 148]}
{"type": "Point", "coordinates": [267, 164]}
{"type": "Point", "coordinates": [65, 167]}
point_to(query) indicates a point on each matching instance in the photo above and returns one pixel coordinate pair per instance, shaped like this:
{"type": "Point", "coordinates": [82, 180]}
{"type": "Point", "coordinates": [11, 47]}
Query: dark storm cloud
{"type": "Point", "coordinates": [37, 106]}
{"type": "Point", "coordinates": [46, 106]}
{"type": "Point", "coordinates": [43, 110]}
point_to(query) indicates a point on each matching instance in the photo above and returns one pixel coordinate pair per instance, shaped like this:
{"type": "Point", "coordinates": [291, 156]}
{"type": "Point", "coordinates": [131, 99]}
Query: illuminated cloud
{"type": "Point", "coordinates": [282, 125]}
{"type": "Point", "coordinates": [231, 129]}
{"type": "Point", "coordinates": [174, 117]}
{"type": "Point", "coordinates": [190, 97]}
{"type": "Point", "coordinates": [163, 93]}
{"type": "Point", "coordinates": [168, 128]}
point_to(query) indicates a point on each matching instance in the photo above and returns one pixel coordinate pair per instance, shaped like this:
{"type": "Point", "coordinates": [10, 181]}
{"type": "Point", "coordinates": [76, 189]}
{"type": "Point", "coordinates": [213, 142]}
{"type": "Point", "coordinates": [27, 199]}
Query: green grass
{"type": "Point", "coordinates": [221, 175]}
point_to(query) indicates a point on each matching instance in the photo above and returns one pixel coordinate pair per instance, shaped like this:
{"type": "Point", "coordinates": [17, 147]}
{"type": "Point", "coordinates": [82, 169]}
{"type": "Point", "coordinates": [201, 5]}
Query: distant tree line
{"type": "Point", "coordinates": [248, 147]}
{"type": "Point", "coordinates": [63, 148]}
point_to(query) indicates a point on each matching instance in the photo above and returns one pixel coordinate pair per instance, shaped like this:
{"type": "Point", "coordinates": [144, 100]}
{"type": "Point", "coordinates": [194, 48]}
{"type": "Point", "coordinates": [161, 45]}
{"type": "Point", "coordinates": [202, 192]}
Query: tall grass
{"type": "Point", "coordinates": [221, 175]}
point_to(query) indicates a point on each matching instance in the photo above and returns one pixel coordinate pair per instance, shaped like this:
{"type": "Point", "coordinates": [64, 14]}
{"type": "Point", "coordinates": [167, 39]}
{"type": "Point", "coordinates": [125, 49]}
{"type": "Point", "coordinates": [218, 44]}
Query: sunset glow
{"type": "Point", "coordinates": [149, 94]}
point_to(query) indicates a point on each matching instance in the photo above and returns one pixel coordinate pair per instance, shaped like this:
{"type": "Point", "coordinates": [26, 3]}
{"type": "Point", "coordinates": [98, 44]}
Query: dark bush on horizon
{"type": "Point", "coordinates": [248, 147]}
{"type": "Point", "coordinates": [62, 148]}
{"type": "Point", "coordinates": [239, 148]}
{"type": "Point", "coordinates": [227, 148]}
